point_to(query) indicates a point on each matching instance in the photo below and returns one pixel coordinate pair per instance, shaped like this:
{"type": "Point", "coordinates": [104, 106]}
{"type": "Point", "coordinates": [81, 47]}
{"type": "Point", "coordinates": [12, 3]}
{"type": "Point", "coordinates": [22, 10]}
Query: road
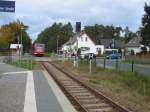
{"type": "Point", "coordinates": [144, 69]}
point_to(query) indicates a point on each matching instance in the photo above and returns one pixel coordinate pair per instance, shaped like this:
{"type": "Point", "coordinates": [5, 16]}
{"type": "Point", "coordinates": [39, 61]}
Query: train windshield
{"type": "Point", "coordinates": [40, 45]}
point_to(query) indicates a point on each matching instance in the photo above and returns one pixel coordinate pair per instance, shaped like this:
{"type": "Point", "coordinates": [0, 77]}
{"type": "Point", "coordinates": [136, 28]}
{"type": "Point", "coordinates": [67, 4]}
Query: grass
{"type": "Point", "coordinates": [47, 54]}
{"type": "Point", "coordinates": [137, 60]}
{"type": "Point", "coordinates": [132, 88]}
{"type": "Point", "coordinates": [27, 64]}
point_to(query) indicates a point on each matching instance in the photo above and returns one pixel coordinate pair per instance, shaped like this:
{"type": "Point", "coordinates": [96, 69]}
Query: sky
{"type": "Point", "coordinates": [39, 14]}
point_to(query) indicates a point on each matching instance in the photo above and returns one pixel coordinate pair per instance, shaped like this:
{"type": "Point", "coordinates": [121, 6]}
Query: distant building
{"type": "Point", "coordinates": [111, 45]}
{"type": "Point", "coordinates": [83, 42]}
{"type": "Point", "coordinates": [15, 49]}
{"type": "Point", "coordinates": [134, 45]}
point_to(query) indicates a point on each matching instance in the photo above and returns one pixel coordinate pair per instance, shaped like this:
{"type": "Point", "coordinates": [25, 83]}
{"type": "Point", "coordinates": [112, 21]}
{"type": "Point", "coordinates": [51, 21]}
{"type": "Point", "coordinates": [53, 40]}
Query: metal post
{"type": "Point", "coordinates": [21, 41]}
{"type": "Point", "coordinates": [132, 65]}
{"type": "Point", "coordinates": [31, 53]}
{"type": "Point", "coordinates": [90, 66]}
{"type": "Point", "coordinates": [21, 48]}
{"type": "Point", "coordinates": [57, 46]}
{"type": "Point", "coordinates": [104, 63]}
{"type": "Point", "coordinates": [116, 64]}
{"type": "Point", "coordinates": [57, 43]}
{"type": "Point", "coordinates": [77, 62]}
{"type": "Point", "coordinates": [95, 61]}
{"type": "Point", "coordinates": [18, 48]}
{"type": "Point", "coordinates": [74, 63]}
{"type": "Point", "coordinates": [31, 62]}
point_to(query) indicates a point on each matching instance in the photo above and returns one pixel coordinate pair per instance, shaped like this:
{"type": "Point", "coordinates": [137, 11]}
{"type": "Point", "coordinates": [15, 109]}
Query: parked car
{"type": "Point", "coordinates": [114, 56]}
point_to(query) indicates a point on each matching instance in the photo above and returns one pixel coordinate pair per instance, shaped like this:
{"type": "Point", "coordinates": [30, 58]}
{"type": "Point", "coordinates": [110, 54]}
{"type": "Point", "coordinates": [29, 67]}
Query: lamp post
{"type": "Point", "coordinates": [21, 47]}
{"type": "Point", "coordinates": [57, 43]}
{"type": "Point", "coordinates": [31, 53]}
{"type": "Point", "coordinates": [22, 28]}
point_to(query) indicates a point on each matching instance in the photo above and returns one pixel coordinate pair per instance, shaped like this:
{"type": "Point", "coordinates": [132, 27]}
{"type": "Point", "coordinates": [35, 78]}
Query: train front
{"type": "Point", "coordinates": [39, 50]}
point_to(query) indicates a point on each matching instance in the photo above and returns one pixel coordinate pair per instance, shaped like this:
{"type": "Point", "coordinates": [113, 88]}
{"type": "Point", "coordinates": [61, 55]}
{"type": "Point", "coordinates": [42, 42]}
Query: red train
{"type": "Point", "coordinates": [38, 49]}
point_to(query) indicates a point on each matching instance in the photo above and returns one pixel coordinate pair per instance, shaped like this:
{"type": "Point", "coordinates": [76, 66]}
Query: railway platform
{"type": "Point", "coordinates": [30, 91]}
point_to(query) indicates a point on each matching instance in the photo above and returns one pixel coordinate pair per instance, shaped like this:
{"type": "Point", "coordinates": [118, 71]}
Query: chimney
{"type": "Point", "coordinates": [78, 27]}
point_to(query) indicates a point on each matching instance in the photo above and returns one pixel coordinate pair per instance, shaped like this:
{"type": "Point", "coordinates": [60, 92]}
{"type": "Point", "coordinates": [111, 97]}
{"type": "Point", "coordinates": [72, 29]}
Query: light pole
{"type": "Point", "coordinates": [57, 43]}
{"type": "Point", "coordinates": [22, 28]}
{"type": "Point", "coordinates": [31, 53]}
{"type": "Point", "coordinates": [21, 47]}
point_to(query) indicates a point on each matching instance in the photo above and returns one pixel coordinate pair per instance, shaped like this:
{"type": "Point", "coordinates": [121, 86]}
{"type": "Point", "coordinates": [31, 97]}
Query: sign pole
{"type": "Point", "coordinates": [74, 62]}
{"type": "Point", "coordinates": [77, 62]}
{"type": "Point", "coordinates": [90, 66]}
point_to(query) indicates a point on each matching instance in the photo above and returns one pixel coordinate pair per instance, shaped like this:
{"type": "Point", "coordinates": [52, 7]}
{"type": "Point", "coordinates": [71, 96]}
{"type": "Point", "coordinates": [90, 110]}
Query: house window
{"type": "Point", "coordinates": [85, 48]}
{"type": "Point", "coordinates": [97, 49]}
{"type": "Point", "coordinates": [81, 39]}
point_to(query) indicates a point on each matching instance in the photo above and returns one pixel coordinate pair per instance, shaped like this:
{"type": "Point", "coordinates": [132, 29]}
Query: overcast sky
{"type": "Point", "coordinates": [38, 14]}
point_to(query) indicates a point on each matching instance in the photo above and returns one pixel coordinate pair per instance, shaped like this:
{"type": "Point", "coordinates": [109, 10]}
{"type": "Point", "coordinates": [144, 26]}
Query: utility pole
{"type": "Point", "coordinates": [18, 50]}
{"type": "Point", "coordinates": [57, 43]}
{"type": "Point", "coordinates": [31, 53]}
{"type": "Point", "coordinates": [21, 47]}
{"type": "Point", "coordinates": [22, 28]}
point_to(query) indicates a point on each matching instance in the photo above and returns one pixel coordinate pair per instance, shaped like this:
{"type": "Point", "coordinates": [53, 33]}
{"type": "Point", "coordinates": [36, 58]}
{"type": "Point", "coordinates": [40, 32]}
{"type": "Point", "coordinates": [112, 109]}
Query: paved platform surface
{"type": "Point", "coordinates": [45, 98]}
{"type": "Point", "coordinates": [12, 89]}
{"type": "Point", "coordinates": [26, 91]}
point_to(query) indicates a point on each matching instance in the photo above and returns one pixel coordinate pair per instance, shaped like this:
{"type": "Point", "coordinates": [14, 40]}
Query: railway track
{"type": "Point", "coordinates": [83, 97]}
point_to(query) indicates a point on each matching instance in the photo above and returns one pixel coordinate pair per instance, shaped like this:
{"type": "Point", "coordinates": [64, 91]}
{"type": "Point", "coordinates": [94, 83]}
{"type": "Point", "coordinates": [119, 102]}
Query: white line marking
{"type": "Point", "coordinates": [2, 63]}
{"type": "Point", "coordinates": [15, 72]}
{"type": "Point", "coordinates": [63, 101]}
{"type": "Point", "coordinates": [30, 101]}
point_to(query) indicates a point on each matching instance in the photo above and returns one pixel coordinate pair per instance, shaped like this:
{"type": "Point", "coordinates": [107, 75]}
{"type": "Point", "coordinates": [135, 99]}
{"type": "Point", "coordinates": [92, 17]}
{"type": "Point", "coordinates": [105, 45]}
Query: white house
{"type": "Point", "coordinates": [83, 42]}
{"type": "Point", "coordinates": [135, 45]}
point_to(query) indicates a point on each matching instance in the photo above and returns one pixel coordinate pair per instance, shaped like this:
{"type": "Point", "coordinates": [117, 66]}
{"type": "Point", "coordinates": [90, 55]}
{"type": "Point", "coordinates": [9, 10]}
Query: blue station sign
{"type": "Point", "coordinates": [7, 6]}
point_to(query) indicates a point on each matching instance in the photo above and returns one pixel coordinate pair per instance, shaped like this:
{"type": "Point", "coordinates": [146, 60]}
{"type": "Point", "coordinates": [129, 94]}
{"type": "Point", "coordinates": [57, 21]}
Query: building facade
{"type": "Point", "coordinates": [83, 42]}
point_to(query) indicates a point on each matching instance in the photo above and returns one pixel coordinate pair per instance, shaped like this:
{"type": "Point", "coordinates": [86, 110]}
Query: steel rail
{"type": "Point", "coordinates": [70, 96]}
{"type": "Point", "coordinates": [98, 94]}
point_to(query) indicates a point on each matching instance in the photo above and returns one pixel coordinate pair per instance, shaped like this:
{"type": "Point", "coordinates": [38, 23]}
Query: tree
{"type": "Point", "coordinates": [98, 32]}
{"type": "Point", "coordinates": [145, 30]}
{"type": "Point", "coordinates": [128, 35]}
{"type": "Point", "coordinates": [118, 31]}
{"type": "Point", "coordinates": [56, 33]}
{"type": "Point", "coordinates": [9, 33]}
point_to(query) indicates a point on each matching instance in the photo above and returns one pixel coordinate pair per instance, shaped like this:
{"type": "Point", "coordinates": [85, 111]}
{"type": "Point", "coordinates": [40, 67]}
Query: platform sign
{"type": "Point", "coordinates": [7, 6]}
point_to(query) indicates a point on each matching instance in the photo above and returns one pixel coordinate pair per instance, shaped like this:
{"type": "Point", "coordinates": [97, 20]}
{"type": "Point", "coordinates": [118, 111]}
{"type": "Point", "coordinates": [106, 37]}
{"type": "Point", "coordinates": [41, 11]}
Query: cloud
{"type": "Point", "coordinates": [40, 14]}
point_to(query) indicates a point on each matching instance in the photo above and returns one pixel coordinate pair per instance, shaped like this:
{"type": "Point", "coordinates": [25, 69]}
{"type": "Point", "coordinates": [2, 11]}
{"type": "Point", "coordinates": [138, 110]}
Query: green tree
{"type": "Point", "coordinates": [9, 33]}
{"type": "Point", "coordinates": [97, 32]}
{"type": "Point", "coordinates": [128, 35]}
{"type": "Point", "coordinates": [56, 33]}
{"type": "Point", "coordinates": [145, 30]}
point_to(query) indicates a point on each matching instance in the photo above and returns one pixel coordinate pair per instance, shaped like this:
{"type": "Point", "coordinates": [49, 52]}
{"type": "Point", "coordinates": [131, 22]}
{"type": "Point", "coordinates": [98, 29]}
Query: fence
{"type": "Point", "coordinates": [24, 61]}
{"type": "Point", "coordinates": [123, 65]}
